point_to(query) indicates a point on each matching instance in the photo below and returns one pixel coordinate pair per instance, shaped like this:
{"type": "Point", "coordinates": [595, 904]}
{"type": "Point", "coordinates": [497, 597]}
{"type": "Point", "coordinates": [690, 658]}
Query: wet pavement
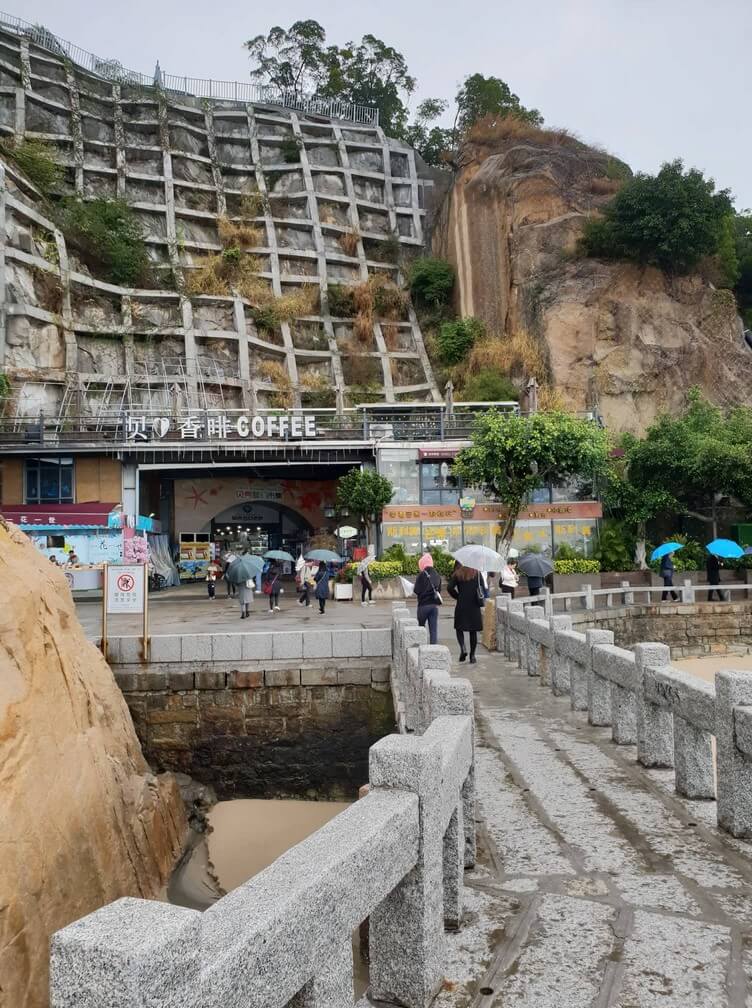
{"type": "Point", "coordinates": [597, 885]}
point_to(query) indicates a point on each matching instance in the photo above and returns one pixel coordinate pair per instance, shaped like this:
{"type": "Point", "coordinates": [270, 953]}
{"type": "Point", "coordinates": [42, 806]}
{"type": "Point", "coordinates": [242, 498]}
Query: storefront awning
{"type": "Point", "coordinates": [91, 514]}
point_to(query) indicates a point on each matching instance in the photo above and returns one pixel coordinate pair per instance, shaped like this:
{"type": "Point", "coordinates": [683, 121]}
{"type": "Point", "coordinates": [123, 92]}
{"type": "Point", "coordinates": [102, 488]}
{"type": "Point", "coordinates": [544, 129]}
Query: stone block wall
{"type": "Point", "coordinates": [333, 202]}
{"type": "Point", "coordinates": [262, 729]}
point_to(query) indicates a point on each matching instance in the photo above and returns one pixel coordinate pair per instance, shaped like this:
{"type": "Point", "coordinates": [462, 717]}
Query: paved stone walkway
{"type": "Point", "coordinates": [597, 885]}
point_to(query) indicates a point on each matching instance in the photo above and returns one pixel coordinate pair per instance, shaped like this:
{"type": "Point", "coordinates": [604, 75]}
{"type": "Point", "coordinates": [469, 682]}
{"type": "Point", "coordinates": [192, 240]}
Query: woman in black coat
{"type": "Point", "coordinates": [465, 586]}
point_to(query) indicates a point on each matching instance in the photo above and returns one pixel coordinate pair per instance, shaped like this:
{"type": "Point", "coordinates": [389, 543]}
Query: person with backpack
{"type": "Point", "coordinates": [428, 589]}
{"type": "Point", "coordinates": [466, 587]}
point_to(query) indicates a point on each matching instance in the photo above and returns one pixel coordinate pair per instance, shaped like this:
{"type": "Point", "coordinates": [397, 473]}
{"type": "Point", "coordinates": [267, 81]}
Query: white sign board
{"type": "Point", "coordinates": [126, 587]}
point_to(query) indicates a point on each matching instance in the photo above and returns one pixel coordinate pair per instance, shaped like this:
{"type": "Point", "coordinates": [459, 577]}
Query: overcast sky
{"type": "Point", "coordinates": [650, 80]}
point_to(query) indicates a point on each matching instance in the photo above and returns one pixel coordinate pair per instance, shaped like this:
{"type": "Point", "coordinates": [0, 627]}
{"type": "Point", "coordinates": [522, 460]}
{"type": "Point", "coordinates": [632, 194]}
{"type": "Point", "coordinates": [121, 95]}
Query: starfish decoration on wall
{"type": "Point", "coordinates": [196, 497]}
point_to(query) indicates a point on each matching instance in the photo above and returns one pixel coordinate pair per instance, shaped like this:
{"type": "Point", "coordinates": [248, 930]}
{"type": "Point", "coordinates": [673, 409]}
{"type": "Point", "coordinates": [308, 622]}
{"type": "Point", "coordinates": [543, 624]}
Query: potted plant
{"type": "Point", "coordinates": [343, 583]}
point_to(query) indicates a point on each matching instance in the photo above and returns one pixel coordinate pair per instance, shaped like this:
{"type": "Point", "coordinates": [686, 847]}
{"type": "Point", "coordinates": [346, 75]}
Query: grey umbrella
{"type": "Point", "coordinates": [244, 568]}
{"type": "Point", "coordinates": [535, 565]}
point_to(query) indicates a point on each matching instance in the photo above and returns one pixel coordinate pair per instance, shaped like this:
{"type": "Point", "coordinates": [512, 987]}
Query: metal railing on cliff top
{"type": "Point", "coordinates": [199, 87]}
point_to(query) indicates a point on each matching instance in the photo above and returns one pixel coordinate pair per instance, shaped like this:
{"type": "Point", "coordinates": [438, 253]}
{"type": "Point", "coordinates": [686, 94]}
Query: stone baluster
{"type": "Point", "coordinates": [560, 671]}
{"type": "Point", "coordinates": [502, 624]}
{"type": "Point", "coordinates": [628, 596]}
{"type": "Point", "coordinates": [733, 689]}
{"type": "Point", "coordinates": [407, 928]}
{"type": "Point", "coordinates": [599, 689]}
{"type": "Point", "coordinates": [589, 598]}
{"type": "Point", "coordinates": [578, 678]}
{"type": "Point", "coordinates": [624, 712]}
{"type": "Point", "coordinates": [693, 760]}
{"type": "Point", "coordinates": [548, 650]}
{"type": "Point", "coordinates": [655, 730]}
{"type": "Point", "coordinates": [130, 954]}
{"type": "Point", "coordinates": [687, 592]}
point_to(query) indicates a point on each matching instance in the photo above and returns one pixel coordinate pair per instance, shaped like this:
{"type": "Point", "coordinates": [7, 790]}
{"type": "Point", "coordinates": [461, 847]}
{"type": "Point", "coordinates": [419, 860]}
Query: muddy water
{"type": "Point", "coordinates": [246, 835]}
{"type": "Point", "coordinates": [706, 668]}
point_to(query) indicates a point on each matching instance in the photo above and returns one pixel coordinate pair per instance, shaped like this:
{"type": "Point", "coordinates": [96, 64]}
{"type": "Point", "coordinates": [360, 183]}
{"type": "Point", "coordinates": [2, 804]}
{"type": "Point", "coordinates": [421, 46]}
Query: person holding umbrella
{"type": "Point", "coordinates": [242, 572]}
{"type": "Point", "coordinates": [536, 569]}
{"type": "Point", "coordinates": [667, 573]}
{"type": "Point", "coordinates": [270, 587]}
{"type": "Point", "coordinates": [466, 587]}
{"type": "Point", "coordinates": [321, 591]}
{"type": "Point", "coordinates": [713, 571]}
{"type": "Point", "coordinates": [717, 549]}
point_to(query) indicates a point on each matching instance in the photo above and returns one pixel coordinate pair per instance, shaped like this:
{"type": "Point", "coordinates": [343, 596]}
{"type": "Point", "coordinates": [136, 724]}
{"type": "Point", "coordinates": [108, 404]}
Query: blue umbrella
{"type": "Point", "coordinates": [245, 568]}
{"type": "Point", "coordinates": [279, 555]}
{"type": "Point", "coordinates": [726, 548]}
{"type": "Point", "coordinates": [324, 554]}
{"type": "Point", "coordinates": [661, 551]}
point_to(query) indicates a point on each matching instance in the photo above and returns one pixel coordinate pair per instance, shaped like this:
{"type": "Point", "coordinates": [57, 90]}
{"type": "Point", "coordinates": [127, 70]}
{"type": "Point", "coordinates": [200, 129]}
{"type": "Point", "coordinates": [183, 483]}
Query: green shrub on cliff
{"type": "Point", "coordinates": [108, 237]}
{"type": "Point", "coordinates": [431, 281]}
{"type": "Point", "coordinates": [671, 220]}
{"type": "Point", "coordinates": [37, 161]}
{"type": "Point", "coordinates": [455, 339]}
{"type": "Point", "coordinates": [488, 385]}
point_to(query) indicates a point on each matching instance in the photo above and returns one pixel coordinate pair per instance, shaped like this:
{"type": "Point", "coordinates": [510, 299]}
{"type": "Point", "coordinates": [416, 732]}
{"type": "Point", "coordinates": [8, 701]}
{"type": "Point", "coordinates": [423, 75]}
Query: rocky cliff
{"type": "Point", "coordinates": [630, 340]}
{"type": "Point", "coordinates": [82, 821]}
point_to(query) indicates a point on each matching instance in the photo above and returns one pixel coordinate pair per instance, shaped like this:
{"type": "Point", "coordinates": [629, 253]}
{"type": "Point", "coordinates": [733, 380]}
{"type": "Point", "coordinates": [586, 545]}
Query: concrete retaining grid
{"type": "Point", "coordinates": [396, 856]}
{"type": "Point", "coordinates": [668, 714]}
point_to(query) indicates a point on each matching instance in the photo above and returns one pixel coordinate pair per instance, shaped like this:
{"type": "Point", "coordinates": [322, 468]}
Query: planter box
{"type": "Point", "coordinates": [569, 582]}
{"type": "Point", "coordinates": [343, 592]}
{"type": "Point", "coordinates": [390, 589]}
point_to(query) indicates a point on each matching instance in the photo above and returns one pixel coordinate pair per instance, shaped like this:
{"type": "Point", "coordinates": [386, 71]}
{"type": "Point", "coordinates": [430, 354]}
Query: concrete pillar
{"type": "Point", "coordinates": [129, 478]}
{"type": "Point", "coordinates": [589, 597]}
{"type": "Point", "coordinates": [130, 954]}
{"type": "Point", "coordinates": [333, 986]}
{"type": "Point", "coordinates": [599, 690]}
{"type": "Point", "coordinates": [502, 644]}
{"type": "Point", "coordinates": [655, 730]}
{"type": "Point", "coordinates": [733, 689]}
{"type": "Point", "coordinates": [623, 716]}
{"type": "Point", "coordinates": [687, 591]}
{"type": "Point", "coordinates": [693, 760]}
{"type": "Point", "coordinates": [454, 866]}
{"type": "Point", "coordinates": [407, 928]}
{"type": "Point", "coordinates": [628, 597]}
{"type": "Point", "coordinates": [548, 655]}
{"type": "Point", "coordinates": [560, 672]}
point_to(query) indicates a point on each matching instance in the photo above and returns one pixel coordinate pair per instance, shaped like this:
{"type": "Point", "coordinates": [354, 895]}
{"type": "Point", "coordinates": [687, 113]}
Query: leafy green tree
{"type": "Point", "coordinates": [289, 59]}
{"type": "Point", "coordinates": [364, 493]}
{"type": "Point", "coordinates": [670, 220]}
{"type": "Point", "coordinates": [703, 455]}
{"type": "Point", "coordinates": [513, 455]}
{"type": "Point", "coordinates": [743, 285]}
{"type": "Point", "coordinates": [480, 96]}
{"type": "Point", "coordinates": [370, 73]}
{"type": "Point", "coordinates": [431, 281]}
{"type": "Point", "coordinates": [433, 143]}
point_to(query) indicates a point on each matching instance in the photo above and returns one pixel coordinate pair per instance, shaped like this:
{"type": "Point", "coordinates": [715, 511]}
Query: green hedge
{"type": "Point", "coordinates": [576, 566]}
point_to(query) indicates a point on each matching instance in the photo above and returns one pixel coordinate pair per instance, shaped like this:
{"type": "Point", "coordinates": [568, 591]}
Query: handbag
{"type": "Point", "coordinates": [480, 595]}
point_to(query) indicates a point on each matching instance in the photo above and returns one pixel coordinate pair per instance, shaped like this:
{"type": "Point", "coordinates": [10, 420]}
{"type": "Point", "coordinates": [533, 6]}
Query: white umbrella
{"type": "Point", "coordinates": [480, 557]}
{"type": "Point", "coordinates": [365, 563]}
{"type": "Point", "coordinates": [407, 587]}
{"type": "Point", "coordinates": [512, 553]}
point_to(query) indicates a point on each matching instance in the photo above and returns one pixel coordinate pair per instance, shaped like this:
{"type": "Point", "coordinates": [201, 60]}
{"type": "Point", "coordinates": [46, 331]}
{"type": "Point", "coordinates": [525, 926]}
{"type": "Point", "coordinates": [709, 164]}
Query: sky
{"type": "Point", "coordinates": [649, 80]}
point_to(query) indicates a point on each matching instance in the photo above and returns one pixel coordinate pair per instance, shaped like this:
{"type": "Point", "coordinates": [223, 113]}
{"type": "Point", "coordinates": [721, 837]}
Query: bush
{"type": "Point", "coordinates": [443, 562]}
{"type": "Point", "coordinates": [37, 161]}
{"type": "Point", "coordinates": [488, 386]}
{"type": "Point", "coordinates": [670, 220]}
{"type": "Point", "coordinates": [431, 281]}
{"type": "Point", "coordinates": [380, 570]}
{"type": "Point", "coordinates": [341, 300]}
{"type": "Point", "coordinates": [456, 338]}
{"type": "Point", "coordinates": [108, 237]}
{"type": "Point", "coordinates": [615, 549]}
{"type": "Point", "coordinates": [290, 150]}
{"type": "Point", "coordinates": [578, 566]}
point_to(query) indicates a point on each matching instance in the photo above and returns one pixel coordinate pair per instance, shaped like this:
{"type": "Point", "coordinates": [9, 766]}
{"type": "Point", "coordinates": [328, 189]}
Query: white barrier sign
{"type": "Point", "coordinates": [126, 586]}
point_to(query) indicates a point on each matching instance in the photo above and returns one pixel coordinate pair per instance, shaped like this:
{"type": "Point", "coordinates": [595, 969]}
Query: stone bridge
{"type": "Point", "coordinates": [610, 799]}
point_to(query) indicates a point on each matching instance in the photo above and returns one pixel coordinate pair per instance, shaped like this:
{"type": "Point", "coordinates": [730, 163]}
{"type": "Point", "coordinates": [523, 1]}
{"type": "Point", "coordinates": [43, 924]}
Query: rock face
{"type": "Point", "coordinates": [628, 339]}
{"type": "Point", "coordinates": [82, 821]}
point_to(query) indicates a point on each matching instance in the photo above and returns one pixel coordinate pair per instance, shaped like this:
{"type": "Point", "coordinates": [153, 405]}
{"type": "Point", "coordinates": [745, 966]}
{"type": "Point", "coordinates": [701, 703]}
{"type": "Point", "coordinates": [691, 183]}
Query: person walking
{"type": "Point", "coordinates": [232, 589]}
{"type": "Point", "coordinates": [510, 578]}
{"type": "Point", "coordinates": [321, 591]}
{"type": "Point", "coordinates": [713, 570]}
{"type": "Point", "coordinates": [211, 579]}
{"type": "Point", "coordinates": [270, 587]}
{"type": "Point", "coordinates": [534, 584]}
{"type": "Point", "coordinates": [305, 582]}
{"type": "Point", "coordinates": [428, 589]}
{"type": "Point", "coordinates": [466, 587]}
{"type": "Point", "coordinates": [667, 573]}
{"type": "Point", "coordinates": [245, 597]}
{"type": "Point", "coordinates": [366, 587]}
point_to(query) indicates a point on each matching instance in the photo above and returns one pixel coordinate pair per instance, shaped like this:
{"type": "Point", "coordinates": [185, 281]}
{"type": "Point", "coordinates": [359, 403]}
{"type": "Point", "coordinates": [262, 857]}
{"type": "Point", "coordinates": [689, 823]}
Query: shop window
{"type": "Point", "coordinates": [401, 469]}
{"type": "Point", "coordinates": [55, 542]}
{"type": "Point", "coordinates": [407, 536]}
{"type": "Point", "coordinates": [580, 535]}
{"type": "Point", "coordinates": [49, 481]}
{"type": "Point", "coordinates": [533, 536]}
{"type": "Point", "coordinates": [447, 537]}
{"type": "Point", "coordinates": [483, 533]}
{"type": "Point", "coordinates": [437, 484]}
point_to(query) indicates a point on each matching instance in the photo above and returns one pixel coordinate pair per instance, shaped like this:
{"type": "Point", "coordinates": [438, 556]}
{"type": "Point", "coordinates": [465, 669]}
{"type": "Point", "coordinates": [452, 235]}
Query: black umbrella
{"type": "Point", "coordinates": [535, 565]}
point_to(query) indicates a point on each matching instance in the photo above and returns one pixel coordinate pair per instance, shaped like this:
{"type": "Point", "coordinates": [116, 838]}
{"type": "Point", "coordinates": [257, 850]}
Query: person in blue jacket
{"type": "Point", "coordinates": [667, 573]}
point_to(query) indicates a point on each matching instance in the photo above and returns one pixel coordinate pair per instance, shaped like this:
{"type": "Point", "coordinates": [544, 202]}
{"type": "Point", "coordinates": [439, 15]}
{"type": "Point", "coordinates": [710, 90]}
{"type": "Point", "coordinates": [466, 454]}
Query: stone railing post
{"type": "Point", "coordinates": [502, 624]}
{"type": "Point", "coordinates": [130, 954]}
{"type": "Point", "coordinates": [733, 689]}
{"type": "Point", "coordinates": [687, 591]}
{"type": "Point", "coordinates": [599, 690]}
{"type": "Point", "coordinates": [548, 605]}
{"type": "Point", "coordinates": [517, 643]}
{"type": "Point", "coordinates": [624, 712]}
{"type": "Point", "coordinates": [693, 760]}
{"type": "Point", "coordinates": [547, 650]}
{"type": "Point", "coordinates": [533, 647]}
{"type": "Point", "coordinates": [589, 600]}
{"type": "Point", "coordinates": [578, 678]}
{"type": "Point", "coordinates": [407, 928]}
{"type": "Point", "coordinates": [628, 596]}
{"type": "Point", "coordinates": [333, 987]}
{"type": "Point", "coordinates": [560, 674]}
{"type": "Point", "coordinates": [655, 729]}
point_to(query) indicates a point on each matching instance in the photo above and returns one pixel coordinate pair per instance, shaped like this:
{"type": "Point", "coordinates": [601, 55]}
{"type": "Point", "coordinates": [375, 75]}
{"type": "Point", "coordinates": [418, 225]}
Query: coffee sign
{"type": "Point", "coordinates": [220, 426]}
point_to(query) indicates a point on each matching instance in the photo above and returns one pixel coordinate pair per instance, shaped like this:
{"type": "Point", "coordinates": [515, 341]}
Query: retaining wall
{"type": "Point", "coordinates": [284, 937]}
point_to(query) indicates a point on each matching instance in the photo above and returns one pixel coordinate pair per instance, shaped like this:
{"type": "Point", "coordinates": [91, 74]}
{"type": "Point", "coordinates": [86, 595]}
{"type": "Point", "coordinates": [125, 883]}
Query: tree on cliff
{"type": "Point", "coordinates": [364, 493]}
{"type": "Point", "coordinates": [513, 455]}
{"type": "Point", "coordinates": [704, 456]}
{"type": "Point", "coordinates": [297, 59]}
{"type": "Point", "coordinates": [671, 220]}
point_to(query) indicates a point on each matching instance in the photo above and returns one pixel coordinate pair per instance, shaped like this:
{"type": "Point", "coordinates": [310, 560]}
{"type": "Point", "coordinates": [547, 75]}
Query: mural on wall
{"type": "Point", "coordinates": [199, 501]}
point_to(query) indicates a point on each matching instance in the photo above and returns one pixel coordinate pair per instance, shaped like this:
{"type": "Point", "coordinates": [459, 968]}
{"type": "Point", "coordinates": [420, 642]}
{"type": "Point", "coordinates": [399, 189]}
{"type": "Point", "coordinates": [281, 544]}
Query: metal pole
{"type": "Point", "coordinates": [104, 611]}
{"type": "Point", "coordinates": [146, 613]}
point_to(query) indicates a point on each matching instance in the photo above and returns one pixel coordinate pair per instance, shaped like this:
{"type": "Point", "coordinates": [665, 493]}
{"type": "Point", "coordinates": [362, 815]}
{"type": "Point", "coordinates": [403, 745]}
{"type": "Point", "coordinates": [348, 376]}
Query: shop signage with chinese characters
{"type": "Point", "coordinates": [220, 426]}
{"type": "Point", "coordinates": [492, 512]}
